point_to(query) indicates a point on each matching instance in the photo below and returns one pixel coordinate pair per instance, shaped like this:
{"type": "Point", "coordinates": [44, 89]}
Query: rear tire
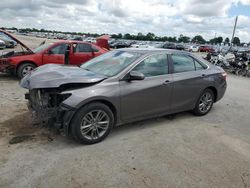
{"type": "Point", "coordinates": [92, 123]}
{"type": "Point", "coordinates": [24, 69]}
{"type": "Point", "coordinates": [204, 103]}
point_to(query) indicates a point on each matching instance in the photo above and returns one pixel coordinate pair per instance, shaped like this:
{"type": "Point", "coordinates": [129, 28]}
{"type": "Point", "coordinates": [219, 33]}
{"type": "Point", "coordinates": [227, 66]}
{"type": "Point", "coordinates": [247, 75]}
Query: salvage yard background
{"type": "Point", "coordinates": [173, 151]}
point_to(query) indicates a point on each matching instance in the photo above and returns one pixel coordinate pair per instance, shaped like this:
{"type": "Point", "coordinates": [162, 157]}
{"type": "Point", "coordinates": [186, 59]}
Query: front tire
{"type": "Point", "coordinates": [204, 103]}
{"type": "Point", "coordinates": [92, 123]}
{"type": "Point", "coordinates": [24, 69]}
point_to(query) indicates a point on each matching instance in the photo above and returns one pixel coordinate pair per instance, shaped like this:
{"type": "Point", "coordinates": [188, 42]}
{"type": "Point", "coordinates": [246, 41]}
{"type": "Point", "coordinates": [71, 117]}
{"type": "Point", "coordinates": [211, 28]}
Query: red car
{"type": "Point", "coordinates": [205, 49]}
{"type": "Point", "coordinates": [61, 52]}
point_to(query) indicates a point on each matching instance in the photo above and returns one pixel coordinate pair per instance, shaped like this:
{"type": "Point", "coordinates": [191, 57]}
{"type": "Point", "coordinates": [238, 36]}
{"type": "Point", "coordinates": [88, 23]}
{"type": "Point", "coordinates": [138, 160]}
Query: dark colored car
{"type": "Point", "coordinates": [8, 43]}
{"type": "Point", "coordinates": [169, 46]}
{"type": "Point", "coordinates": [119, 44]}
{"type": "Point", "coordinates": [122, 86]}
{"type": "Point", "coordinates": [61, 52]}
{"type": "Point", "coordinates": [180, 47]}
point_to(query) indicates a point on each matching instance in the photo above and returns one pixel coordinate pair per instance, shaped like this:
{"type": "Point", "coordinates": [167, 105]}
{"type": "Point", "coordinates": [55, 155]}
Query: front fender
{"type": "Point", "coordinates": [104, 91]}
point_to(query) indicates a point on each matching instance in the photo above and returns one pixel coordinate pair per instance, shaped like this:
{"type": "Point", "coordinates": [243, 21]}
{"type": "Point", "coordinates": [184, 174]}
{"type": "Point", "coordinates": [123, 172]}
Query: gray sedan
{"type": "Point", "coordinates": [122, 86]}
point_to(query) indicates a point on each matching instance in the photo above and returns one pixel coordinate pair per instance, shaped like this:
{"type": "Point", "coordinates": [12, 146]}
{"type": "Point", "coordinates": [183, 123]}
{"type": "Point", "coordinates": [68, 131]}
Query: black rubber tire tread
{"type": "Point", "coordinates": [76, 121]}
{"type": "Point", "coordinates": [21, 67]}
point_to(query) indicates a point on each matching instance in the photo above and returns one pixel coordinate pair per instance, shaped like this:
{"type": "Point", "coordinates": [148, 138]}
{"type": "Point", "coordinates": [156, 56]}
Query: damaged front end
{"type": "Point", "coordinates": [47, 107]}
{"type": "Point", "coordinates": [6, 58]}
{"type": "Point", "coordinates": [5, 65]}
{"type": "Point", "coordinates": [50, 86]}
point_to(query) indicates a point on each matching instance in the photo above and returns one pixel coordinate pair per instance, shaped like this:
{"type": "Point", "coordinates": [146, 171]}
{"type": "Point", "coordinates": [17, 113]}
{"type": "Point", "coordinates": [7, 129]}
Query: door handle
{"type": "Point", "coordinates": [203, 75]}
{"type": "Point", "coordinates": [166, 82]}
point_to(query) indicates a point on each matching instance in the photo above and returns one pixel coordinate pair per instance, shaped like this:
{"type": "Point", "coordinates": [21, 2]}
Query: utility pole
{"type": "Point", "coordinates": [215, 34]}
{"type": "Point", "coordinates": [235, 23]}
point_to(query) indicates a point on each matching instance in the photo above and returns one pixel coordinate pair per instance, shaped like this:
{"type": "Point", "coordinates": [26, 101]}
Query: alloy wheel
{"type": "Point", "coordinates": [94, 124]}
{"type": "Point", "coordinates": [205, 102]}
{"type": "Point", "coordinates": [27, 69]}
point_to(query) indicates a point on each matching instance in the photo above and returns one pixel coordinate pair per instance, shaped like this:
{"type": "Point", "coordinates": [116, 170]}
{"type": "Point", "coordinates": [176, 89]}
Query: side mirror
{"type": "Point", "coordinates": [49, 52]}
{"type": "Point", "coordinates": [135, 75]}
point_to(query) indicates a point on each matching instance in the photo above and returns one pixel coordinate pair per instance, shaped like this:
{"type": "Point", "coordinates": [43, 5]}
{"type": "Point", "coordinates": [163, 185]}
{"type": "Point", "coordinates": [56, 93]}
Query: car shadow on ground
{"type": "Point", "coordinates": [149, 123]}
{"type": "Point", "coordinates": [21, 128]}
{"type": "Point", "coordinates": [8, 77]}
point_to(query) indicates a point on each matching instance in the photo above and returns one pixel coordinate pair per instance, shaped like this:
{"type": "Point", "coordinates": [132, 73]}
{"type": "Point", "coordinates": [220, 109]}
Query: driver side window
{"type": "Point", "coordinates": [81, 47]}
{"type": "Point", "coordinates": [154, 65]}
{"type": "Point", "coordinates": [59, 49]}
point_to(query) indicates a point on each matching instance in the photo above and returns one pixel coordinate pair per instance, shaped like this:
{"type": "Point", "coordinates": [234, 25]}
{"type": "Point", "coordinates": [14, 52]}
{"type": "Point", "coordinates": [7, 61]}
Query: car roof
{"type": "Point", "coordinates": [71, 41]}
{"type": "Point", "coordinates": [152, 50]}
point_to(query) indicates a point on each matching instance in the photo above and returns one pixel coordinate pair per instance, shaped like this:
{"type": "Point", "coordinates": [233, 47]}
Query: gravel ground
{"type": "Point", "coordinates": [173, 151]}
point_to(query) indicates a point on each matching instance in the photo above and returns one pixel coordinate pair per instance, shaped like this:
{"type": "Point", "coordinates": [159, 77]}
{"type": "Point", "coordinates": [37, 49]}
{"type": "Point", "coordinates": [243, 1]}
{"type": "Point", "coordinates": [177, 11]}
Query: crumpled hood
{"type": "Point", "coordinates": [53, 76]}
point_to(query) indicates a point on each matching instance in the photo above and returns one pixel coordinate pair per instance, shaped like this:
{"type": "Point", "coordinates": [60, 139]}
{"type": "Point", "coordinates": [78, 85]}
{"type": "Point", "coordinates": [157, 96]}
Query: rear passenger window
{"type": "Point", "coordinates": [95, 49]}
{"type": "Point", "coordinates": [83, 48]}
{"type": "Point", "coordinates": [182, 63]}
{"type": "Point", "coordinates": [198, 66]}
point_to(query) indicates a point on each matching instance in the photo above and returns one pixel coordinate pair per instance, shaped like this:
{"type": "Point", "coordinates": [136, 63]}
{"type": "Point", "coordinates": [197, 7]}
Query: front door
{"type": "Point", "coordinates": [150, 96]}
{"type": "Point", "coordinates": [57, 54]}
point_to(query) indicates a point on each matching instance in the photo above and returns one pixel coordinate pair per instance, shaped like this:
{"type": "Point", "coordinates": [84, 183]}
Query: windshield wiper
{"type": "Point", "coordinates": [95, 72]}
{"type": "Point", "coordinates": [86, 69]}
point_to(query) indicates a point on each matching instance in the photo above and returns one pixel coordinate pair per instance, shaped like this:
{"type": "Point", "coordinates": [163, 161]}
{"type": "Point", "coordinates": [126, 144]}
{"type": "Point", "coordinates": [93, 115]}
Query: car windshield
{"type": "Point", "coordinates": [42, 47]}
{"type": "Point", "coordinates": [111, 63]}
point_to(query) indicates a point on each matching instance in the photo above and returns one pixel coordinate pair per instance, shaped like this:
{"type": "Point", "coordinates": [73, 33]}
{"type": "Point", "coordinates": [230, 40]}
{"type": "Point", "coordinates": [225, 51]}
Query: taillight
{"type": "Point", "coordinates": [224, 75]}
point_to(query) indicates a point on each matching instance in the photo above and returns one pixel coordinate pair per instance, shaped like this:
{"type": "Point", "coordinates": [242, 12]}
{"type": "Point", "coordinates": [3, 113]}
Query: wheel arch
{"type": "Point", "coordinates": [214, 90]}
{"type": "Point", "coordinates": [103, 101]}
{"type": "Point", "coordinates": [23, 62]}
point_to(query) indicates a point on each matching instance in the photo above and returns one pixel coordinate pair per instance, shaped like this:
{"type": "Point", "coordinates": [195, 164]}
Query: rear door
{"type": "Point", "coordinates": [189, 80]}
{"type": "Point", "coordinates": [151, 96]}
{"type": "Point", "coordinates": [56, 54]}
{"type": "Point", "coordinates": [82, 52]}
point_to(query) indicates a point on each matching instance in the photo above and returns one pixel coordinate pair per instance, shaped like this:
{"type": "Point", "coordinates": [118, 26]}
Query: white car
{"type": "Point", "coordinates": [192, 48]}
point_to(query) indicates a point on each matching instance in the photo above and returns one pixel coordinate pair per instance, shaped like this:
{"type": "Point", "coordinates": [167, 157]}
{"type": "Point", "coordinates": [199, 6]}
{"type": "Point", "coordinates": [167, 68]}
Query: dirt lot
{"type": "Point", "coordinates": [173, 151]}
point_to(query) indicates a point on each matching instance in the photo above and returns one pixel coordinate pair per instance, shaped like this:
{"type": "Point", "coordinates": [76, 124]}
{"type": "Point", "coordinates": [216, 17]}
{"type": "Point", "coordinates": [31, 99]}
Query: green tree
{"type": "Point", "coordinates": [127, 36]}
{"type": "Point", "coordinates": [140, 36]}
{"type": "Point", "coordinates": [199, 39]}
{"type": "Point", "coordinates": [172, 39]}
{"type": "Point", "coordinates": [119, 36]}
{"type": "Point", "coordinates": [236, 41]}
{"type": "Point", "coordinates": [150, 36]}
{"type": "Point", "coordinates": [183, 38]}
{"type": "Point", "coordinates": [219, 40]}
{"type": "Point", "coordinates": [227, 41]}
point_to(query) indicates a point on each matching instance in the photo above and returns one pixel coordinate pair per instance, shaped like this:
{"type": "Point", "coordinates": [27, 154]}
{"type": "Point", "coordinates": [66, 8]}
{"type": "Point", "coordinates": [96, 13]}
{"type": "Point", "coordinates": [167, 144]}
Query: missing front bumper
{"type": "Point", "coordinates": [58, 117]}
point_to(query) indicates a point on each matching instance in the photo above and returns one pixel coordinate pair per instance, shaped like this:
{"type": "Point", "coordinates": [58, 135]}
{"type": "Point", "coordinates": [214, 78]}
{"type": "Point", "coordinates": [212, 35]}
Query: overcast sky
{"type": "Point", "coordinates": [162, 17]}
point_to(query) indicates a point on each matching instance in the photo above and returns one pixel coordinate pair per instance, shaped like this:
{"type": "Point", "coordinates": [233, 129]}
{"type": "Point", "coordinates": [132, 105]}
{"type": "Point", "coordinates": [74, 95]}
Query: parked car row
{"type": "Point", "coordinates": [6, 41]}
{"type": "Point", "coordinates": [60, 36]}
{"type": "Point", "coordinates": [115, 44]}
